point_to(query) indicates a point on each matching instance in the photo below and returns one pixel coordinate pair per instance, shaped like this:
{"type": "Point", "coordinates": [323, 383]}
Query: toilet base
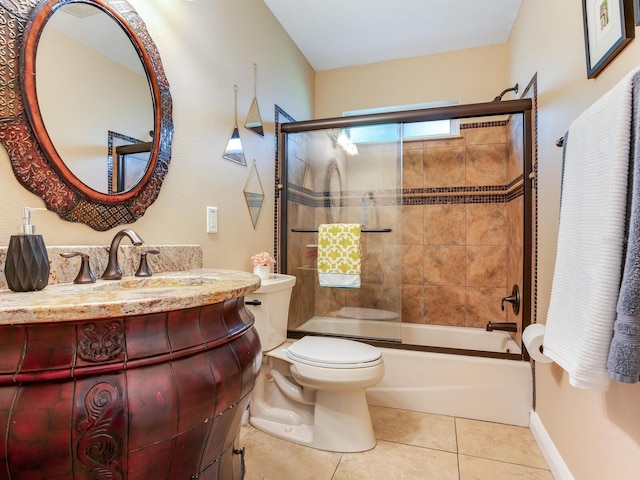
{"type": "Point", "coordinates": [301, 434]}
{"type": "Point", "coordinates": [341, 423]}
{"type": "Point", "coordinates": [336, 421]}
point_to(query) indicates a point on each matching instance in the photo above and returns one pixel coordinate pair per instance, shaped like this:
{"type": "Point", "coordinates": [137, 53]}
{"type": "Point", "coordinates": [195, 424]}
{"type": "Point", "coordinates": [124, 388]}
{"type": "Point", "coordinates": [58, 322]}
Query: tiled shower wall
{"type": "Point", "coordinates": [456, 243]}
{"type": "Point", "coordinates": [462, 225]}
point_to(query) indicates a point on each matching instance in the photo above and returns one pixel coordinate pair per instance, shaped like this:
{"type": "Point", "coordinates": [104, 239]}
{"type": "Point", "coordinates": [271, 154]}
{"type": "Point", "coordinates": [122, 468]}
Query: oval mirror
{"type": "Point", "coordinates": [95, 122]}
{"type": "Point", "coordinates": [92, 90]}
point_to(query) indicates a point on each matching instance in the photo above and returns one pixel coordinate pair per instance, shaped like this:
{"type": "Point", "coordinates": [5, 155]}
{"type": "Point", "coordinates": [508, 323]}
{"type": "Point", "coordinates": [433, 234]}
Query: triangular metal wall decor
{"type": "Point", "coordinates": [233, 151]}
{"type": "Point", "coordinates": [254, 121]}
{"type": "Point", "coordinates": [254, 194]}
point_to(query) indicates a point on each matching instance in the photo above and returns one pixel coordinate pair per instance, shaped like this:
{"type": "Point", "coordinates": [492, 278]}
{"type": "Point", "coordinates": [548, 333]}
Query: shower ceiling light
{"type": "Point", "coordinates": [346, 144]}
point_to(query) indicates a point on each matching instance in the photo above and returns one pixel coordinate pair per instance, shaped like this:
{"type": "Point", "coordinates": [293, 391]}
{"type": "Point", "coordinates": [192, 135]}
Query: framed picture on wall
{"type": "Point", "coordinates": [608, 28]}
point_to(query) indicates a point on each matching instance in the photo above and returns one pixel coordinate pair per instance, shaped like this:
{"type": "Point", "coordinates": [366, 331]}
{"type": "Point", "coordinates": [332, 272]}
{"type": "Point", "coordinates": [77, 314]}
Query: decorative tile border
{"type": "Point", "coordinates": [493, 123]}
{"type": "Point", "coordinates": [414, 196]}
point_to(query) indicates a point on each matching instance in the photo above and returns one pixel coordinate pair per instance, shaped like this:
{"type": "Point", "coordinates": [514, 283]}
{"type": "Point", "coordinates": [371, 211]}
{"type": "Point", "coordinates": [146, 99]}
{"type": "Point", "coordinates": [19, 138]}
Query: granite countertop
{"type": "Point", "coordinates": [129, 296]}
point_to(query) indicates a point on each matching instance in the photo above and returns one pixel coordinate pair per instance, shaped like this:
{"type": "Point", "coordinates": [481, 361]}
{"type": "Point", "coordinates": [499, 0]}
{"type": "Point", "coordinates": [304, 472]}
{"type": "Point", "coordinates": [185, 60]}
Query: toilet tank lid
{"type": "Point", "coordinates": [333, 351]}
{"type": "Point", "coordinates": [276, 282]}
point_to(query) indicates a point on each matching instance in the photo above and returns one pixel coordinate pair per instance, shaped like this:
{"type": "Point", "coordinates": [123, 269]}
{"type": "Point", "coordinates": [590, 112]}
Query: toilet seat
{"type": "Point", "coordinates": [330, 352]}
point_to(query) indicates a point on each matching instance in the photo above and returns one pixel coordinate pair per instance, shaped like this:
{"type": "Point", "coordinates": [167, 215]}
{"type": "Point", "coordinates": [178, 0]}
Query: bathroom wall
{"type": "Point", "coordinates": [469, 76]}
{"type": "Point", "coordinates": [206, 48]}
{"type": "Point", "coordinates": [596, 433]}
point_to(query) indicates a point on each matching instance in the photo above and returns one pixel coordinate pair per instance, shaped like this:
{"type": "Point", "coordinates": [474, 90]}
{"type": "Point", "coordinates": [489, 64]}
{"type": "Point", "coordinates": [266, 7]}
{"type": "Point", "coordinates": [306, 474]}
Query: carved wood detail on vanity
{"type": "Point", "coordinates": [101, 341]}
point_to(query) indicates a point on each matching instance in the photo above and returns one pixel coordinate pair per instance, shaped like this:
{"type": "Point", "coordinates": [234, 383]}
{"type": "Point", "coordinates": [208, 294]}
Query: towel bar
{"type": "Point", "coordinates": [364, 230]}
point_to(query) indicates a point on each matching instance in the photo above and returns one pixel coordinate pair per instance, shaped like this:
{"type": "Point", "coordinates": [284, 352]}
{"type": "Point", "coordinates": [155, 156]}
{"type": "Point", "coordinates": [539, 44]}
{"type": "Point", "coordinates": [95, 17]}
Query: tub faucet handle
{"type": "Point", "coordinates": [513, 299]}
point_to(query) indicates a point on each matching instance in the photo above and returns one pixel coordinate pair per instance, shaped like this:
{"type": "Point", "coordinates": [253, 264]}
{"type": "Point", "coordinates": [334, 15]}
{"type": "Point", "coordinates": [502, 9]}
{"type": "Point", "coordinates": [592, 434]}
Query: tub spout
{"type": "Point", "coordinates": [504, 326]}
{"type": "Point", "coordinates": [113, 272]}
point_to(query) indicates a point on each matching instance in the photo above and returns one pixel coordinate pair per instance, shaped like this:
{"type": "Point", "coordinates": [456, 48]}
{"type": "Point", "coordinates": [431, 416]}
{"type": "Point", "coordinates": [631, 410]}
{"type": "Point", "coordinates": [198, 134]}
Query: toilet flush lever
{"type": "Point", "coordinates": [255, 303]}
{"type": "Point", "coordinates": [514, 300]}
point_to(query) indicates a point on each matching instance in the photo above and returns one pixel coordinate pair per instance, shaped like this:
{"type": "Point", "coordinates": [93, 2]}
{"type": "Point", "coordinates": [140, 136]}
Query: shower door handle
{"type": "Point", "coordinates": [514, 300]}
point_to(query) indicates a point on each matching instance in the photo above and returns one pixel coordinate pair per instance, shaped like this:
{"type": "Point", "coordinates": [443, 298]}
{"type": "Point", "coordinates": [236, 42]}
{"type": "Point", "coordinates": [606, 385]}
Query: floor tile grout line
{"type": "Point", "coordinates": [455, 433]}
{"type": "Point", "coordinates": [443, 450]}
{"type": "Point", "coordinates": [335, 470]}
{"type": "Point", "coordinates": [506, 462]}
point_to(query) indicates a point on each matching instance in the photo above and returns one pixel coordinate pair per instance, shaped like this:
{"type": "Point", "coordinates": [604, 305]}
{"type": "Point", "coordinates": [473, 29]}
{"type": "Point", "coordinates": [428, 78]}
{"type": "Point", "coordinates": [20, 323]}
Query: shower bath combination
{"type": "Point", "coordinates": [446, 224]}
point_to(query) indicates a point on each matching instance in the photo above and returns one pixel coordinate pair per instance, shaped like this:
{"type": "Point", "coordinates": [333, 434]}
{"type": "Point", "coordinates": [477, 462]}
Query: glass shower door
{"type": "Point", "coordinates": [446, 224]}
{"type": "Point", "coordinates": [351, 175]}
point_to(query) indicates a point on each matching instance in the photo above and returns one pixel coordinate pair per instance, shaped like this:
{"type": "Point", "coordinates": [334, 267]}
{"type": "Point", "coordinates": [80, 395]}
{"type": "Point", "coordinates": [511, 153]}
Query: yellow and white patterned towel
{"type": "Point", "coordinates": [339, 255]}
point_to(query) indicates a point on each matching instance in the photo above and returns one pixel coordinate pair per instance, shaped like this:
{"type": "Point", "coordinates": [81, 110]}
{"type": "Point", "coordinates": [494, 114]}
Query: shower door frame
{"type": "Point", "coordinates": [453, 112]}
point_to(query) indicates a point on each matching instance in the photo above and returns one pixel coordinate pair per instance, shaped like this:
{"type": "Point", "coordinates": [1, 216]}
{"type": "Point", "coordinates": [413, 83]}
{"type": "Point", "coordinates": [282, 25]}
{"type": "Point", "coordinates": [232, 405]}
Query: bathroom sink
{"type": "Point", "coordinates": [162, 292]}
{"type": "Point", "coordinates": [140, 283]}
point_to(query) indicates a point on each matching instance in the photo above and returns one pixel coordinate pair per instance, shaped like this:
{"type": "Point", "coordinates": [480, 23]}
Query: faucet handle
{"type": "Point", "coordinates": [84, 275]}
{"type": "Point", "coordinates": [513, 299]}
{"type": "Point", "coordinates": [143, 268]}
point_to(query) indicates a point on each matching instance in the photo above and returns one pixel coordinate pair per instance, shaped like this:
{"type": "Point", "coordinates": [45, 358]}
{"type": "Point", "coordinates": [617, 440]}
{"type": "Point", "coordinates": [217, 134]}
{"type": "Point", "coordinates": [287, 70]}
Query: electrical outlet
{"type": "Point", "coordinates": [212, 219]}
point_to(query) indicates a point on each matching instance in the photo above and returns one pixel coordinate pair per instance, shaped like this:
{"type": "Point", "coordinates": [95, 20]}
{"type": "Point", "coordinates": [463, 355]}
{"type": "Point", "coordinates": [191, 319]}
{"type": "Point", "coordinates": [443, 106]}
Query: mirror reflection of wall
{"type": "Point", "coordinates": [87, 86]}
{"type": "Point", "coordinates": [254, 194]}
{"type": "Point", "coordinates": [233, 151]}
{"type": "Point", "coordinates": [254, 121]}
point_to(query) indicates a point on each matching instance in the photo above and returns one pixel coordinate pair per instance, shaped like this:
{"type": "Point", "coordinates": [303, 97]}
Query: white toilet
{"type": "Point", "coordinates": [310, 391]}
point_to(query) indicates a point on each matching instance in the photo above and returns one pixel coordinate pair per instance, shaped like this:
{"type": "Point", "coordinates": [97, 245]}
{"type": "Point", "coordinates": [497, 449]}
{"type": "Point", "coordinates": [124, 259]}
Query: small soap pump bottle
{"type": "Point", "coordinates": [27, 265]}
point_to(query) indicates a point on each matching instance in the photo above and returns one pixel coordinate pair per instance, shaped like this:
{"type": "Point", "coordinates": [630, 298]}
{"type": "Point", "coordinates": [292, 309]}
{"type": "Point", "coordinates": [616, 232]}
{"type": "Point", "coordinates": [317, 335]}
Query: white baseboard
{"type": "Point", "coordinates": [558, 468]}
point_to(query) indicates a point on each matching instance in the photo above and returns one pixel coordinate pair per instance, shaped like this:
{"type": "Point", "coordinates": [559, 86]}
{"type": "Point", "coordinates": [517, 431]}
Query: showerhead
{"type": "Point", "coordinates": [512, 89]}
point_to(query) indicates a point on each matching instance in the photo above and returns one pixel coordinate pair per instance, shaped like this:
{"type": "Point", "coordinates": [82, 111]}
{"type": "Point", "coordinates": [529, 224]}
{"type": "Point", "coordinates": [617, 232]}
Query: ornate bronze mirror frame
{"type": "Point", "coordinates": [36, 163]}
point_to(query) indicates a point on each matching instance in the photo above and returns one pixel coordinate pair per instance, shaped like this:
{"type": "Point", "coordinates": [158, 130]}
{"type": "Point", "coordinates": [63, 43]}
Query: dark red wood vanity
{"type": "Point", "coordinates": [141, 397]}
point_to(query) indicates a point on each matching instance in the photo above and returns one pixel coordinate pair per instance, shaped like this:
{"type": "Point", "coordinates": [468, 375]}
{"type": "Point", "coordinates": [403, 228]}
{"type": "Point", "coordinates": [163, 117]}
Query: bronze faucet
{"type": "Point", "coordinates": [113, 272]}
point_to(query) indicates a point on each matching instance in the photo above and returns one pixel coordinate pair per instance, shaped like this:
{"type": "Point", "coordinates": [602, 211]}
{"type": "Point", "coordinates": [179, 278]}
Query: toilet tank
{"type": "Point", "coordinates": [270, 307]}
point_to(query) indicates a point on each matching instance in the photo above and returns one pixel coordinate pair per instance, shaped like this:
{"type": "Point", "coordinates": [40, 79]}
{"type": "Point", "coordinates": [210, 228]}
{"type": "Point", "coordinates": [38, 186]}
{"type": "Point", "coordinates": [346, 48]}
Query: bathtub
{"type": "Point", "coordinates": [444, 336]}
{"type": "Point", "coordinates": [480, 388]}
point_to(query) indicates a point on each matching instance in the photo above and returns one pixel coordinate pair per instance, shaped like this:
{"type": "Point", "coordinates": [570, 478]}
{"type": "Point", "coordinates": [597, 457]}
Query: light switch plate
{"type": "Point", "coordinates": [212, 219]}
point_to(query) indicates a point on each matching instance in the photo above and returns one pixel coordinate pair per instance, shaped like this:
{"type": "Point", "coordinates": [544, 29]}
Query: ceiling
{"type": "Point", "coordinates": [90, 26]}
{"type": "Point", "coordinates": [343, 33]}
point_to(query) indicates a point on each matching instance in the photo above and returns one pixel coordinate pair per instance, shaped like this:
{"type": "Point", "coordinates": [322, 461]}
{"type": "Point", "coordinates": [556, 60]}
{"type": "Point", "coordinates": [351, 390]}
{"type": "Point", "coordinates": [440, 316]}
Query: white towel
{"type": "Point", "coordinates": [586, 279]}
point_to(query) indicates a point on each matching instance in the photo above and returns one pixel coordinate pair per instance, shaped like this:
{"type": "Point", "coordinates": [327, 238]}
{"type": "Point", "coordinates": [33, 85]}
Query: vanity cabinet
{"type": "Point", "coordinates": [146, 396]}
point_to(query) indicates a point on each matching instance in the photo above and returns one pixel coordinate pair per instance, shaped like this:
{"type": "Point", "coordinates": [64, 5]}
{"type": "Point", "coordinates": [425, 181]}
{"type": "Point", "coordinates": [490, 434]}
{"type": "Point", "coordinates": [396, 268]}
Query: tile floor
{"type": "Point", "coordinates": [410, 446]}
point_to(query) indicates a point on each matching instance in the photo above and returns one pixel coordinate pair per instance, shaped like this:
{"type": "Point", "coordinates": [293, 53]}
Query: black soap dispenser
{"type": "Point", "coordinates": [27, 265]}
